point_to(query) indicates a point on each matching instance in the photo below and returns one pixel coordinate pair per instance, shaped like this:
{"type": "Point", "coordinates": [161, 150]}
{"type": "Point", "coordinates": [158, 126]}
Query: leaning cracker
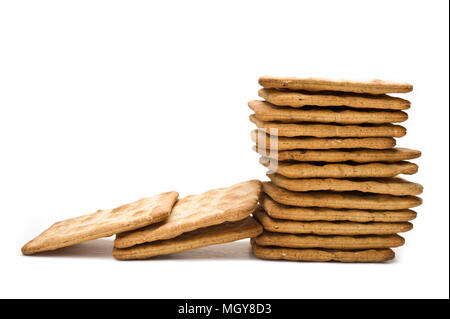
{"type": "Point", "coordinates": [103, 223]}
{"type": "Point", "coordinates": [328, 228]}
{"type": "Point", "coordinates": [335, 156]}
{"type": "Point", "coordinates": [342, 170]}
{"type": "Point", "coordinates": [320, 84]}
{"type": "Point", "coordinates": [347, 200]}
{"type": "Point", "coordinates": [321, 255]}
{"type": "Point", "coordinates": [292, 143]}
{"type": "Point", "coordinates": [364, 101]}
{"type": "Point", "coordinates": [392, 186]}
{"type": "Point", "coordinates": [329, 130]}
{"type": "Point", "coordinates": [213, 235]}
{"type": "Point", "coordinates": [279, 211]}
{"type": "Point", "coordinates": [267, 112]}
{"type": "Point", "coordinates": [197, 211]}
{"type": "Point", "coordinates": [329, 242]}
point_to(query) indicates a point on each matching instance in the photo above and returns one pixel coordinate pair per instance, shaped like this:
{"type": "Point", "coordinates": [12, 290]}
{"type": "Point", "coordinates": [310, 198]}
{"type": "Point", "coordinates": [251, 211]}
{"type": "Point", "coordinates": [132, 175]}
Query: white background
{"type": "Point", "coordinates": [104, 102]}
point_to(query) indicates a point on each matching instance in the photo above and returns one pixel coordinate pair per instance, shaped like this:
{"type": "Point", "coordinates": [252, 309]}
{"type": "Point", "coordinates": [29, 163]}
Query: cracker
{"type": "Point", "coordinates": [267, 112]}
{"type": "Point", "coordinates": [279, 211]}
{"type": "Point", "coordinates": [197, 211]}
{"type": "Point", "coordinates": [213, 235]}
{"type": "Point", "coordinates": [322, 255]}
{"type": "Point", "coordinates": [293, 143]}
{"type": "Point", "coordinates": [392, 186]}
{"type": "Point", "coordinates": [302, 98]}
{"type": "Point", "coordinates": [320, 84]}
{"type": "Point", "coordinates": [330, 242]}
{"type": "Point", "coordinates": [342, 170]}
{"type": "Point", "coordinates": [335, 156]}
{"type": "Point", "coordinates": [329, 228]}
{"type": "Point", "coordinates": [330, 130]}
{"type": "Point", "coordinates": [103, 223]}
{"type": "Point", "coordinates": [347, 200]}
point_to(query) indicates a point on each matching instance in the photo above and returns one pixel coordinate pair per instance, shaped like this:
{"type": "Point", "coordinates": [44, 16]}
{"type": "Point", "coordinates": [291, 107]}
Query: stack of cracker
{"type": "Point", "coordinates": [162, 224]}
{"type": "Point", "coordinates": [333, 194]}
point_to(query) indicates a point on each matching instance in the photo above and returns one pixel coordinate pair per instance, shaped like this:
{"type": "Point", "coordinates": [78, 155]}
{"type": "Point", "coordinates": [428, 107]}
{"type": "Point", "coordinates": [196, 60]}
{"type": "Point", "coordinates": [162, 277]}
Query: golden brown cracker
{"type": "Point", "coordinates": [323, 255]}
{"type": "Point", "coordinates": [280, 211]}
{"type": "Point", "coordinates": [213, 235]}
{"type": "Point", "coordinates": [329, 130]}
{"type": "Point", "coordinates": [328, 228]}
{"type": "Point", "coordinates": [392, 186]}
{"type": "Point", "coordinates": [197, 211]}
{"type": "Point", "coordinates": [330, 242]}
{"type": "Point", "coordinates": [347, 200]}
{"type": "Point", "coordinates": [320, 84]}
{"type": "Point", "coordinates": [342, 170]}
{"type": "Point", "coordinates": [293, 143]}
{"type": "Point", "coordinates": [103, 223]}
{"type": "Point", "coordinates": [302, 98]}
{"type": "Point", "coordinates": [335, 156]}
{"type": "Point", "coordinates": [267, 112]}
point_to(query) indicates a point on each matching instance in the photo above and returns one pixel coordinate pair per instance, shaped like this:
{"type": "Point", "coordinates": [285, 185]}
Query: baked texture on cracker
{"type": "Point", "coordinates": [336, 156]}
{"type": "Point", "coordinates": [329, 228]}
{"type": "Point", "coordinates": [293, 143]}
{"type": "Point", "coordinates": [197, 211]}
{"type": "Point", "coordinates": [267, 112]}
{"type": "Point", "coordinates": [280, 211]}
{"type": "Point", "coordinates": [302, 98]}
{"type": "Point", "coordinates": [342, 170]}
{"type": "Point", "coordinates": [347, 200]}
{"type": "Point", "coordinates": [103, 223]}
{"type": "Point", "coordinates": [329, 130]}
{"type": "Point", "coordinates": [392, 186]}
{"type": "Point", "coordinates": [329, 242]}
{"type": "Point", "coordinates": [323, 255]}
{"type": "Point", "coordinates": [213, 235]}
{"type": "Point", "coordinates": [320, 84]}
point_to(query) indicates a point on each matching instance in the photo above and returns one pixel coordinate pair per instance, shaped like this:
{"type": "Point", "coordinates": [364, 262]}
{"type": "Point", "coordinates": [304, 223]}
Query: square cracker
{"type": "Point", "coordinates": [362, 101]}
{"type": "Point", "coordinates": [329, 228]}
{"type": "Point", "coordinates": [293, 143]}
{"type": "Point", "coordinates": [103, 223]}
{"type": "Point", "coordinates": [320, 84]}
{"type": "Point", "coordinates": [322, 255]}
{"type": "Point", "coordinates": [330, 242]}
{"type": "Point", "coordinates": [336, 155]}
{"type": "Point", "coordinates": [330, 130]}
{"type": "Point", "coordinates": [280, 211]}
{"type": "Point", "coordinates": [267, 112]}
{"type": "Point", "coordinates": [338, 200]}
{"type": "Point", "coordinates": [213, 235]}
{"type": "Point", "coordinates": [197, 211]}
{"type": "Point", "coordinates": [342, 170]}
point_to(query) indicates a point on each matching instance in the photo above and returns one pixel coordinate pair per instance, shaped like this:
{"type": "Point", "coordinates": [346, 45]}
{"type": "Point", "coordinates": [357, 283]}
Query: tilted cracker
{"type": "Point", "coordinates": [347, 200]}
{"type": "Point", "coordinates": [329, 228]}
{"type": "Point", "coordinates": [103, 223]}
{"type": "Point", "coordinates": [330, 130]}
{"type": "Point", "coordinates": [196, 211]}
{"type": "Point", "coordinates": [302, 98]}
{"type": "Point", "coordinates": [280, 211]}
{"type": "Point", "coordinates": [213, 235]}
{"type": "Point", "coordinates": [335, 156]}
{"type": "Point", "coordinates": [292, 143]}
{"type": "Point", "coordinates": [329, 242]}
{"type": "Point", "coordinates": [323, 255]}
{"type": "Point", "coordinates": [341, 170]}
{"type": "Point", "coordinates": [320, 84]}
{"type": "Point", "coordinates": [267, 112]}
{"type": "Point", "coordinates": [392, 186]}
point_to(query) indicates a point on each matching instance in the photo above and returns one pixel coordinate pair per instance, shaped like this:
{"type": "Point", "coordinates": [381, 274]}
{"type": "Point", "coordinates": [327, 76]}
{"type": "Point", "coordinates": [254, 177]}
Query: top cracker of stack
{"type": "Point", "coordinates": [334, 194]}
